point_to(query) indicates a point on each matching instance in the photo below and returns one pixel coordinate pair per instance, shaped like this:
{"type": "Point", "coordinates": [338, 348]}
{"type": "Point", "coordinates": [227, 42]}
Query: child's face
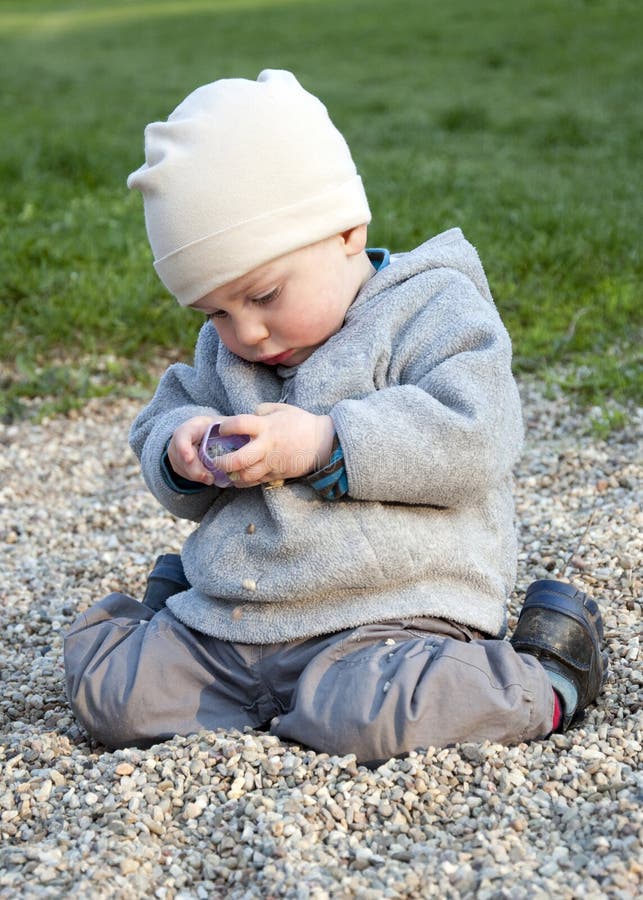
{"type": "Point", "coordinates": [279, 313]}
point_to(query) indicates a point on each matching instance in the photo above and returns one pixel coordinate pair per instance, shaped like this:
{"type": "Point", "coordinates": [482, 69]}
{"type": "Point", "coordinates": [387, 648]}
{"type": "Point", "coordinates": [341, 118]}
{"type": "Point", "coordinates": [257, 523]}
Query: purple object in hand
{"type": "Point", "coordinates": [214, 445]}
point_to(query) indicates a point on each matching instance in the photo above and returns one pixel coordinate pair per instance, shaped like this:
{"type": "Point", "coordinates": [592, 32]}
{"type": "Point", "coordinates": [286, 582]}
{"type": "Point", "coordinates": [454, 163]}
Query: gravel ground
{"type": "Point", "coordinates": [241, 815]}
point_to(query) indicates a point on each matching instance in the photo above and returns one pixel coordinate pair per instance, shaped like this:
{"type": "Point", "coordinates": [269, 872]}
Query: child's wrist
{"type": "Point", "coordinates": [325, 447]}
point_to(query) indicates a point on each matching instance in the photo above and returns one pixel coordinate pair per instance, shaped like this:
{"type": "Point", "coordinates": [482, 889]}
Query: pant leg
{"type": "Point", "coordinates": [387, 689]}
{"type": "Point", "coordinates": [135, 677]}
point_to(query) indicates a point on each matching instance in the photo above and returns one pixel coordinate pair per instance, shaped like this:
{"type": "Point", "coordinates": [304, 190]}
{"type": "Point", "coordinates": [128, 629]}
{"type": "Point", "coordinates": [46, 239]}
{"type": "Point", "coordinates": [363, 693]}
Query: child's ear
{"type": "Point", "coordinates": [354, 239]}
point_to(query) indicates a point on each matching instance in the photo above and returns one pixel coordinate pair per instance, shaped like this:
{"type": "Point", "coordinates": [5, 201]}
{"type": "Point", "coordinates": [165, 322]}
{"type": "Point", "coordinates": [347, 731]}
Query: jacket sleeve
{"type": "Point", "coordinates": [183, 392]}
{"type": "Point", "coordinates": [448, 428]}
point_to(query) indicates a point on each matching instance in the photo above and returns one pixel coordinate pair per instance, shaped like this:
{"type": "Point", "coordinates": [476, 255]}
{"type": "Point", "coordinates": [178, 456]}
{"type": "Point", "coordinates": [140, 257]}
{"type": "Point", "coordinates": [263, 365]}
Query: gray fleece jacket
{"type": "Point", "coordinates": [418, 383]}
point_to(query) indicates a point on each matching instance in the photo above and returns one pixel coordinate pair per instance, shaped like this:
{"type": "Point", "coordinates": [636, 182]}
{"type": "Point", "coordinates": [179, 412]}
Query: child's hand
{"type": "Point", "coordinates": [286, 442]}
{"type": "Point", "coordinates": [183, 449]}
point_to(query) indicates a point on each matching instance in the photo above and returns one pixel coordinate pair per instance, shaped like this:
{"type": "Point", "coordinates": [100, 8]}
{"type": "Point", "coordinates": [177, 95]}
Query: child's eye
{"type": "Point", "coordinates": [266, 298]}
{"type": "Point", "coordinates": [217, 314]}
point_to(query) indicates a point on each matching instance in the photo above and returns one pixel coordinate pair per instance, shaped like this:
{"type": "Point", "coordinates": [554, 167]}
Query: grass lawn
{"type": "Point", "coordinates": [521, 123]}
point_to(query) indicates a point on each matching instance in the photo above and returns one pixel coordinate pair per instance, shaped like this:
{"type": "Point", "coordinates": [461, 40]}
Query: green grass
{"type": "Point", "coordinates": [519, 122]}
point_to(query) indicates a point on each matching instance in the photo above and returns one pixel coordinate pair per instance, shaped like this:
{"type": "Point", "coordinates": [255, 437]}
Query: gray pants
{"type": "Point", "coordinates": [135, 677]}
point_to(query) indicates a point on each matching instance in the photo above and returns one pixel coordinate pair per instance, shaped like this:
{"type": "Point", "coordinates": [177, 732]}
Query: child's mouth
{"type": "Point", "coordinates": [276, 360]}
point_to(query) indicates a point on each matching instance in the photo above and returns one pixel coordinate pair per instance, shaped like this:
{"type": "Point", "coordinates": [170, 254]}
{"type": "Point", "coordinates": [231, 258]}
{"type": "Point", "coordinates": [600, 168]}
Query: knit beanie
{"type": "Point", "coordinates": [243, 172]}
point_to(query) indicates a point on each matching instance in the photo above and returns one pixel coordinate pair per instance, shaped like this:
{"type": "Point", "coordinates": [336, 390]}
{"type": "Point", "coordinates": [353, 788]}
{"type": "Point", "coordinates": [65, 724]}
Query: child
{"type": "Point", "coordinates": [348, 589]}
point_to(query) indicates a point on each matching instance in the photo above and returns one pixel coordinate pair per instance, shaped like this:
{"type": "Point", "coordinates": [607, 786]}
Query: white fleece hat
{"type": "Point", "coordinates": [243, 172]}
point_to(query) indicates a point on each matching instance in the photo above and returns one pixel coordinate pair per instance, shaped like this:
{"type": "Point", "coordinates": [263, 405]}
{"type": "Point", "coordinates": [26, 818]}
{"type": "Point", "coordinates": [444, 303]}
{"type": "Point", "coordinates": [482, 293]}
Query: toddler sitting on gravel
{"type": "Point", "coordinates": [347, 589]}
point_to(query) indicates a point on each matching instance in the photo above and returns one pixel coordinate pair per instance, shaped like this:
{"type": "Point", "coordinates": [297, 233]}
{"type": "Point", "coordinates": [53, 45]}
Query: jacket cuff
{"type": "Point", "coordinates": [331, 482]}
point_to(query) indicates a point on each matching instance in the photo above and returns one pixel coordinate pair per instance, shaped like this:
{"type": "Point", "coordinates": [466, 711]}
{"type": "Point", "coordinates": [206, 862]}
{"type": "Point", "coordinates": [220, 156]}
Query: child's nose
{"type": "Point", "coordinates": [251, 331]}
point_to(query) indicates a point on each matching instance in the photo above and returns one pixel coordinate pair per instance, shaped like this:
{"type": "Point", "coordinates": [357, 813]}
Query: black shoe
{"type": "Point", "coordinates": [166, 579]}
{"type": "Point", "coordinates": [562, 626]}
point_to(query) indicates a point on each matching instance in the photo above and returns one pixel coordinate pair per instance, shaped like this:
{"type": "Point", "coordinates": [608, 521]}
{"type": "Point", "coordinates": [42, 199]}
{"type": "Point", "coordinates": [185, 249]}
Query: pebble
{"type": "Point", "coordinates": [242, 816]}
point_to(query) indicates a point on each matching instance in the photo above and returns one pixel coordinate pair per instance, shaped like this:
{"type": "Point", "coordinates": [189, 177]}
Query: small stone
{"type": "Point", "coordinates": [192, 810]}
{"type": "Point", "coordinates": [549, 869]}
{"type": "Point", "coordinates": [128, 865]}
{"type": "Point", "coordinates": [44, 791]}
{"type": "Point", "coordinates": [363, 858]}
{"type": "Point", "coordinates": [249, 584]}
{"type": "Point", "coordinates": [124, 768]}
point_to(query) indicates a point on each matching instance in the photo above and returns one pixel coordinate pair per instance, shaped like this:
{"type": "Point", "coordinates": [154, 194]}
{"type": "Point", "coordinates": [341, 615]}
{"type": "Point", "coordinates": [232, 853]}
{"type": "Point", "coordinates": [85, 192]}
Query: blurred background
{"type": "Point", "coordinates": [520, 123]}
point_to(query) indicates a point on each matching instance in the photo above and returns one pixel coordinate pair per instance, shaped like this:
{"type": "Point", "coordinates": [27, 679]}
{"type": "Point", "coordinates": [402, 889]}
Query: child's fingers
{"type": "Point", "coordinates": [185, 462]}
{"type": "Point", "coordinates": [183, 449]}
{"type": "Point", "coordinates": [251, 465]}
{"type": "Point", "coordinates": [188, 436]}
{"type": "Point", "coordinates": [242, 424]}
{"type": "Point", "coordinates": [250, 476]}
{"type": "Point", "coordinates": [246, 458]}
{"type": "Point", "coordinates": [188, 465]}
